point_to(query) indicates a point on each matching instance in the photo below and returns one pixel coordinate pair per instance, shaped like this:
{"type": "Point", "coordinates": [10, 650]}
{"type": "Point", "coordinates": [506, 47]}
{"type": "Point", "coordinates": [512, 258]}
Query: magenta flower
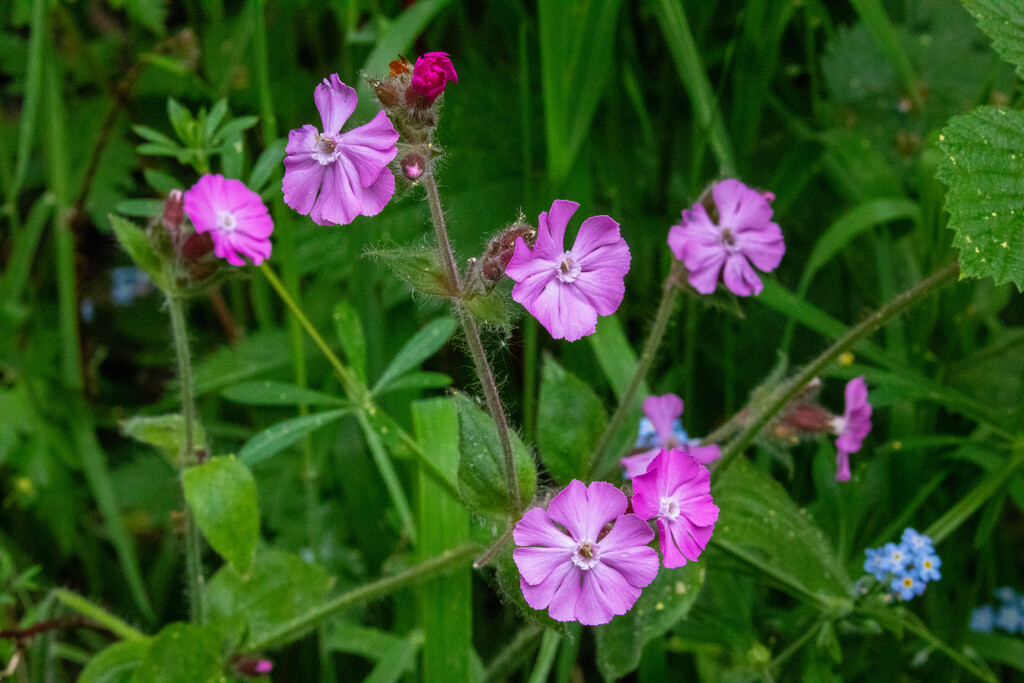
{"type": "Point", "coordinates": [571, 565]}
{"type": "Point", "coordinates": [853, 426]}
{"type": "Point", "coordinates": [234, 217]}
{"type": "Point", "coordinates": [677, 490]}
{"type": "Point", "coordinates": [744, 235]}
{"type": "Point", "coordinates": [664, 413]}
{"type": "Point", "coordinates": [431, 74]}
{"type": "Point", "coordinates": [333, 176]}
{"type": "Point", "coordinates": [567, 290]}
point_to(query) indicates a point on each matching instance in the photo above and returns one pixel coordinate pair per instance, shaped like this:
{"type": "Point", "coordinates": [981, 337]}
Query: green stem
{"type": "Point", "coordinates": [941, 528]}
{"type": "Point", "coordinates": [670, 291]}
{"type": "Point", "coordinates": [476, 348]}
{"type": "Point", "coordinates": [425, 570]}
{"type": "Point", "coordinates": [546, 657]}
{"type": "Point", "coordinates": [795, 646]}
{"type": "Point", "coordinates": [759, 415]}
{"type": "Point", "coordinates": [391, 482]}
{"type": "Point", "coordinates": [115, 625]}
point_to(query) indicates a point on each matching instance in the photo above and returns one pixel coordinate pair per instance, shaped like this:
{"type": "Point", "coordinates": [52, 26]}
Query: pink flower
{"type": "Point", "coordinates": [569, 563]}
{"type": "Point", "coordinates": [853, 426]}
{"type": "Point", "coordinates": [664, 413]}
{"type": "Point", "coordinates": [334, 177]}
{"type": "Point", "coordinates": [744, 234]}
{"type": "Point", "coordinates": [567, 290]}
{"type": "Point", "coordinates": [431, 73]}
{"type": "Point", "coordinates": [677, 490]}
{"type": "Point", "coordinates": [233, 215]}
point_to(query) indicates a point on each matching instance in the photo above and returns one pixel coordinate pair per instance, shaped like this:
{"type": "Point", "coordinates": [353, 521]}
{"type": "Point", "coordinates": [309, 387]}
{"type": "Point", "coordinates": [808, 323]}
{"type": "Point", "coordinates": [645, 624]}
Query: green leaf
{"type": "Point", "coordinates": [761, 525]}
{"type": "Point", "coordinates": [267, 393]}
{"type": "Point", "coordinates": [349, 329]}
{"type": "Point", "coordinates": [1003, 22]}
{"type": "Point", "coordinates": [135, 241]}
{"type": "Point", "coordinates": [422, 346]}
{"type": "Point", "coordinates": [996, 647]}
{"type": "Point", "coordinates": [418, 379]}
{"type": "Point", "coordinates": [273, 440]}
{"type": "Point", "coordinates": [983, 153]}
{"type": "Point", "coordinates": [116, 663]}
{"type": "Point", "coordinates": [269, 161]}
{"type": "Point", "coordinates": [420, 268]}
{"type": "Point", "coordinates": [661, 606]}
{"type": "Point", "coordinates": [155, 136]}
{"type": "Point", "coordinates": [160, 181]}
{"type": "Point", "coordinates": [165, 432]}
{"type": "Point", "coordinates": [182, 121]}
{"type": "Point", "coordinates": [569, 424]}
{"type": "Point", "coordinates": [214, 118]}
{"type": "Point", "coordinates": [182, 653]}
{"type": "Point", "coordinates": [482, 463]}
{"type": "Point", "coordinates": [490, 309]}
{"type": "Point", "coordinates": [279, 587]}
{"type": "Point", "coordinates": [234, 128]}
{"type": "Point", "coordinates": [222, 495]}
{"type": "Point", "coordinates": [395, 655]}
{"type": "Point", "coordinates": [140, 208]}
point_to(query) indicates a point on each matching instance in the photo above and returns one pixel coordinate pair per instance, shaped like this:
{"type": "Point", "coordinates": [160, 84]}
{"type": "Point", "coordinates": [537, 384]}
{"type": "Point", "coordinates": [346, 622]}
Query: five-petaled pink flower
{"type": "Point", "coordinates": [663, 411]}
{"type": "Point", "coordinates": [431, 73]}
{"type": "Point", "coordinates": [571, 565]}
{"type": "Point", "coordinates": [744, 235]}
{"type": "Point", "coordinates": [853, 426]}
{"type": "Point", "coordinates": [567, 290]}
{"type": "Point", "coordinates": [677, 490]}
{"type": "Point", "coordinates": [333, 176]}
{"type": "Point", "coordinates": [234, 216]}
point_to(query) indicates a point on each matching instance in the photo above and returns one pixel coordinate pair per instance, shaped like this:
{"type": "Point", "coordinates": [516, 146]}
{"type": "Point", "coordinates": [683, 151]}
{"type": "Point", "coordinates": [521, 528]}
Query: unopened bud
{"type": "Point", "coordinates": [386, 93]}
{"type": "Point", "coordinates": [252, 666]}
{"type": "Point", "coordinates": [413, 166]}
{"type": "Point", "coordinates": [196, 246]}
{"type": "Point", "coordinates": [174, 211]}
{"type": "Point", "coordinates": [501, 249]}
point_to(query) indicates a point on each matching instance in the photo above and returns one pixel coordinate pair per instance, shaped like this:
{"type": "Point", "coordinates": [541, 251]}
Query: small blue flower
{"type": "Point", "coordinates": [1010, 619]}
{"type": "Point", "coordinates": [916, 543]}
{"type": "Point", "coordinates": [873, 565]}
{"type": "Point", "coordinates": [88, 310]}
{"type": "Point", "coordinates": [907, 585]}
{"type": "Point", "coordinates": [895, 558]}
{"type": "Point", "coordinates": [127, 283]}
{"type": "Point", "coordinates": [1006, 594]}
{"type": "Point", "coordinates": [647, 436]}
{"type": "Point", "coordinates": [927, 566]}
{"type": "Point", "coordinates": [983, 619]}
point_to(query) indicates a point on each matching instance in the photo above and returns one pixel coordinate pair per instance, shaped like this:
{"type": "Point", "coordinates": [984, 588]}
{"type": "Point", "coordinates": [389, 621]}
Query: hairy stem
{"type": "Point", "coordinates": [759, 415]}
{"type": "Point", "coordinates": [113, 624]}
{"type": "Point", "coordinates": [476, 348]}
{"type": "Point", "coordinates": [187, 455]}
{"type": "Point", "coordinates": [378, 589]}
{"type": "Point", "coordinates": [670, 292]}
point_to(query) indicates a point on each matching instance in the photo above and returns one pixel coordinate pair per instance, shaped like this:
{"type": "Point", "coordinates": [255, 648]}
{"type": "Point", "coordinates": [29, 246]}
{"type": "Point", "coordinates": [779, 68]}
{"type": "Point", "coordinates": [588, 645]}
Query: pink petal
{"type": "Point", "coordinates": [536, 528]}
{"type": "Point", "coordinates": [596, 232]}
{"type": "Point", "coordinates": [370, 147]}
{"type": "Point", "coordinates": [637, 464]}
{"type": "Point", "coordinates": [740, 277]}
{"type": "Point", "coordinates": [303, 175]}
{"type": "Point", "coordinates": [594, 607]}
{"type": "Point", "coordinates": [704, 454]}
{"type": "Point", "coordinates": [739, 206]}
{"type": "Point", "coordinates": [584, 510]}
{"type": "Point", "coordinates": [551, 229]}
{"type": "Point", "coordinates": [562, 605]}
{"type": "Point", "coordinates": [681, 541]}
{"type": "Point", "coordinates": [602, 291]}
{"type": "Point", "coordinates": [562, 310]}
{"type": "Point", "coordinates": [540, 596]}
{"type": "Point", "coordinates": [525, 264]}
{"type": "Point", "coordinates": [628, 533]}
{"type": "Point", "coordinates": [763, 246]}
{"type": "Point", "coordinates": [705, 265]}
{"type": "Point", "coordinates": [842, 466]}
{"type": "Point", "coordinates": [335, 101]}
{"type": "Point", "coordinates": [662, 411]}
{"type": "Point", "coordinates": [537, 564]}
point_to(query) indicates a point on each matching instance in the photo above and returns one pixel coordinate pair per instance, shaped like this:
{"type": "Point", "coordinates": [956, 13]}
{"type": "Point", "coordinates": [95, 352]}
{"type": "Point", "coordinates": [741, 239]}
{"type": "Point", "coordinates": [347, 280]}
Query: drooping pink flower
{"type": "Point", "coordinates": [676, 489]}
{"type": "Point", "coordinates": [431, 74]}
{"type": "Point", "coordinates": [567, 290]}
{"type": "Point", "coordinates": [234, 216]}
{"type": "Point", "coordinates": [664, 412]}
{"type": "Point", "coordinates": [333, 176]}
{"type": "Point", "coordinates": [570, 565]}
{"type": "Point", "coordinates": [853, 426]}
{"type": "Point", "coordinates": [744, 235]}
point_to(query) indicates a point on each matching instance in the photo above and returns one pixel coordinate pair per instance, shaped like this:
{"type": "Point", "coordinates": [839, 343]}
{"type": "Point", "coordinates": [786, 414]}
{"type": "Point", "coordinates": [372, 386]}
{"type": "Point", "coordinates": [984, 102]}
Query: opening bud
{"type": "Point", "coordinates": [413, 166]}
{"type": "Point", "coordinates": [174, 211]}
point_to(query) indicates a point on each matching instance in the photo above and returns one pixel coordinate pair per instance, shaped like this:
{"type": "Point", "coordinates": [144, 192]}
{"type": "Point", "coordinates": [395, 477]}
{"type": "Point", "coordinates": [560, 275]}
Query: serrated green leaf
{"type": "Point", "coordinates": [422, 346]}
{"type": "Point", "coordinates": [182, 653]}
{"type": "Point", "coordinates": [165, 432]}
{"type": "Point", "coordinates": [1003, 22]}
{"type": "Point", "coordinates": [267, 393]}
{"type": "Point", "coordinates": [569, 425]}
{"type": "Point", "coordinates": [222, 495]}
{"type": "Point", "coordinates": [419, 268]}
{"type": "Point", "coordinates": [760, 524]}
{"type": "Point", "coordinates": [275, 439]}
{"type": "Point", "coordinates": [482, 463]}
{"type": "Point", "coordinates": [115, 663]}
{"type": "Point", "coordinates": [982, 166]}
{"type": "Point", "coordinates": [662, 604]}
{"type": "Point", "coordinates": [490, 309]}
{"type": "Point", "coordinates": [279, 587]}
{"type": "Point", "coordinates": [349, 329]}
{"type": "Point", "coordinates": [135, 241]}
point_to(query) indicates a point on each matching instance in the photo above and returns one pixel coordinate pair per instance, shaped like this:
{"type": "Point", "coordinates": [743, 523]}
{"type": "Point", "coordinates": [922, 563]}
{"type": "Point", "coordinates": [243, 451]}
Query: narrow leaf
{"type": "Point", "coordinates": [422, 346]}
{"type": "Point", "coordinates": [267, 393]}
{"type": "Point", "coordinates": [270, 160]}
{"type": "Point", "coordinates": [349, 328]}
{"type": "Point", "coordinates": [273, 440]}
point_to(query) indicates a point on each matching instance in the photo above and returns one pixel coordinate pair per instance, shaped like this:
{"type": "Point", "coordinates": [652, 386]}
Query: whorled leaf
{"type": "Point", "coordinates": [983, 166]}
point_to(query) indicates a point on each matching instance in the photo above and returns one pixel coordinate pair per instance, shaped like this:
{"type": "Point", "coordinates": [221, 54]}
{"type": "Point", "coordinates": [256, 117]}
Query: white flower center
{"type": "Point", "coordinates": [669, 508]}
{"type": "Point", "coordinates": [568, 270]}
{"type": "Point", "coordinates": [226, 220]}
{"type": "Point", "coordinates": [586, 555]}
{"type": "Point", "coordinates": [838, 424]}
{"type": "Point", "coordinates": [327, 149]}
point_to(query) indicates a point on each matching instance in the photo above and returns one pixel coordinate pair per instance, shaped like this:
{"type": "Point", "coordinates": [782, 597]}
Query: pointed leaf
{"type": "Point", "coordinates": [421, 269]}
{"type": "Point", "coordinates": [134, 240]}
{"type": "Point", "coordinates": [267, 393]}
{"type": "Point", "coordinates": [490, 309]}
{"type": "Point", "coordinates": [180, 653]}
{"type": "Point", "coordinates": [115, 663]}
{"type": "Point", "coordinates": [569, 423]}
{"type": "Point", "coordinates": [270, 160]}
{"type": "Point", "coordinates": [350, 333]}
{"type": "Point", "coordinates": [165, 432]}
{"type": "Point", "coordinates": [422, 346]}
{"type": "Point", "coordinates": [222, 495]}
{"type": "Point", "coordinates": [275, 439]}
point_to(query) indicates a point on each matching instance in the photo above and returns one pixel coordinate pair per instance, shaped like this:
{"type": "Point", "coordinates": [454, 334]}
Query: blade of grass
{"type": "Point", "coordinates": [34, 78]}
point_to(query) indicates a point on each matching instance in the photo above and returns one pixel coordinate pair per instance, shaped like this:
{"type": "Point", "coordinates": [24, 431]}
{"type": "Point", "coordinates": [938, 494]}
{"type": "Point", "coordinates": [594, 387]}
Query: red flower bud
{"type": "Point", "coordinates": [431, 74]}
